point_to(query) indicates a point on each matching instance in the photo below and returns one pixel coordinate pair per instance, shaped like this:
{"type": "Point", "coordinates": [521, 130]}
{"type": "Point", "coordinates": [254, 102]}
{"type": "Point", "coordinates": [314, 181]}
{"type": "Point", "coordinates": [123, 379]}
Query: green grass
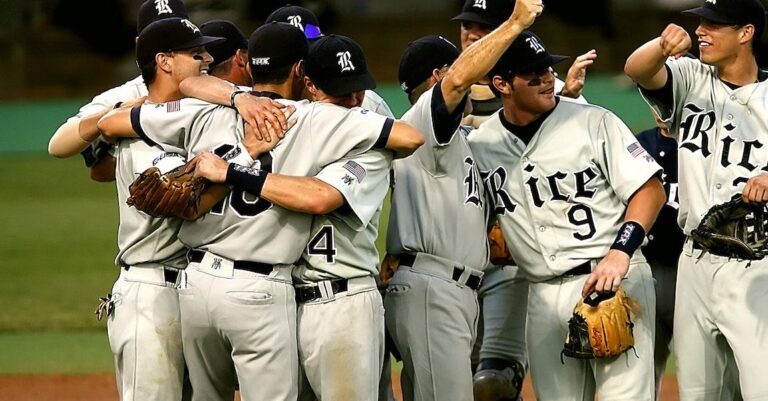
{"type": "Point", "coordinates": [55, 352]}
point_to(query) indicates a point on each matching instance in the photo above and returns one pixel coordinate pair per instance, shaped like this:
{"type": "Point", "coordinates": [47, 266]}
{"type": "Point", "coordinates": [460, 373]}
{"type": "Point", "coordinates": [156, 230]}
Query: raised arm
{"type": "Point", "coordinates": [474, 63]}
{"type": "Point", "coordinates": [646, 64]}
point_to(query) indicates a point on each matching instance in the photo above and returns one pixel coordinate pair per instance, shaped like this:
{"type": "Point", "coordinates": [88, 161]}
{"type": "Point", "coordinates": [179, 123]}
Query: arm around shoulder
{"type": "Point", "coordinates": [404, 139]}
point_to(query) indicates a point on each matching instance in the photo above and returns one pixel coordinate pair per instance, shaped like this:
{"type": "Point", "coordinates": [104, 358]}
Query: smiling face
{"type": "Point", "coordinates": [533, 93]}
{"type": "Point", "coordinates": [719, 44]}
{"type": "Point", "coordinates": [189, 63]}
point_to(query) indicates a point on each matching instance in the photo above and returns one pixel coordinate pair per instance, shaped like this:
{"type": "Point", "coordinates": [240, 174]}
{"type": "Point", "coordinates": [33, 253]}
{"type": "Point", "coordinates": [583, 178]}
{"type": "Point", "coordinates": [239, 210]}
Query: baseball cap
{"type": "Point", "coordinates": [486, 12]}
{"type": "Point", "coordinates": [336, 64]}
{"type": "Point", "coordinates": [167, 35]}
{"type": "Point", "coordinates": [276, 45]}
{"type": "Point", "coordinates": [526, 54]}
{"type": "Point", "coordinates": [732, 12]}
{"type": "Point", "coordinates": [153, 10]}
{"type": "Point", "coordinates": [421, 57]}
{"type": "Point", "coordinates": [234, 39]}
{"type": "Point", "coordinates": [299, 17]}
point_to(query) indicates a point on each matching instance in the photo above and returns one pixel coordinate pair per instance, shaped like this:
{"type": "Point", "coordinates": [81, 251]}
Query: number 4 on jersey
{"type": "Point", "coordinates": [322, 244]}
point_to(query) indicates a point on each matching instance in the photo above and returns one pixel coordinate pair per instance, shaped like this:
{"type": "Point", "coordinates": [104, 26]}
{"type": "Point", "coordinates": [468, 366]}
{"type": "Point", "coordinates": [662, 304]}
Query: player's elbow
{"type": "Point", "coordinates": [404, 139]}
{"type": "Point", "coordinates": [325, 199]}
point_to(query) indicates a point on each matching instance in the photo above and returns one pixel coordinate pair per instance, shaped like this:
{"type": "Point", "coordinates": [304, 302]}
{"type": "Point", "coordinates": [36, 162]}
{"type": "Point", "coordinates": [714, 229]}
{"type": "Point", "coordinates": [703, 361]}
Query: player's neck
{"type": "Point", "coordinates": [281, 89]}
{"type": "Point", "coordinates": [519, 117]}
{"type": "Point", "coordinates": [742, 71]}
{"type": "Point", "coordinates": [163, 91]}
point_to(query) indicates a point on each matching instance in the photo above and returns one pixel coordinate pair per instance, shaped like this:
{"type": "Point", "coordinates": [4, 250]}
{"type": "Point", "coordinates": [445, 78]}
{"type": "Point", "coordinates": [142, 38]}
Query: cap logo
{"type": "Point", "coordinates": [479, 4]}
{"type": "Point", "coordinates": [711, 1]}
{"type": "Point", "coordinates": [295, 20]}
{"type": "Point", "coordinates": [162, 7]}
{"type": "Point", "coordinates": [535, 45]}
{"type": "Point", "coordinates": [260, 60]}
{"type": "Point", "coordinates": [190, 25]}
{"type": "Point", "coordinates": [345, 61]}
{"type": "Point", "coordinates": [404, 86]}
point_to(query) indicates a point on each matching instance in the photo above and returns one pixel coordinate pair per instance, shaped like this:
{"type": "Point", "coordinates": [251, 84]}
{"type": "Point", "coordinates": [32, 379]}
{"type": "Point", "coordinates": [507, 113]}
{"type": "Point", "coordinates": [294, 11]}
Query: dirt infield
{"type": "Point", "coordinates": [101, 387]}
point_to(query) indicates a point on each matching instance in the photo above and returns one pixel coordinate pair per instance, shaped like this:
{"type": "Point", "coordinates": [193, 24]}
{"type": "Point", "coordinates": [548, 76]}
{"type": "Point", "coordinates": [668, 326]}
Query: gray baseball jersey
{"type": "Point", "coordinates": [343, 244]}
{"type": "Point", "coordinates": [323, 133]}
{"type": "Point", "coordinates": [376, 104]}
{"type": "Point", "coordinates": [142, 238]}
{"type": "Point", "coordinates": [560, 206]}
{"type": "Point", "coordinates": [719, 130]}
{"type": "Point", "coordinates": [721, 134]}
{"type": "Point", "coordinates": [438, 200]}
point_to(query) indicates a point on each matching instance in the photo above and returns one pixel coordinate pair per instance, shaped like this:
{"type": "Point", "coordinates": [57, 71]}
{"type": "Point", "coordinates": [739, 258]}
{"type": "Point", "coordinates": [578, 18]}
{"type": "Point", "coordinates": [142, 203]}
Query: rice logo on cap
{"type": "Point", "coordinates": [712, 1]}
{"type": "Point", "coordinates": [190, 25]}
{"type": "Point", "coordinates": [163, 7]}
{"type": "Point", "coordinates": [479, 4]}
{"type": "Point", "coordinates": [345, 61]}
{"type": "Point", "coordinates": [295, 20]}
{"type": "Point", "coordinates": [536, 46]}
{"type": "Point", "coordinates": [260, 60]}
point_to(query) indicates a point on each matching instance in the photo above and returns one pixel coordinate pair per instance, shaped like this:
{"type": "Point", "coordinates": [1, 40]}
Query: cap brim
{"type": "Point", "coordinates": [469, 16]}
{"type": "Point", "coordinates": [709, 15]}
{"type": "Point", "coordinates": [200, 41]}
{"type": "Point", "coordinates": [345, 85]}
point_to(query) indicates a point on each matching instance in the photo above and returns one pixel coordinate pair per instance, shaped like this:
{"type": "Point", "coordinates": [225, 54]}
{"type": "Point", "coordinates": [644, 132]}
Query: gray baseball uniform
{"type": "Point", "coordinates": [239, 308]}
{"type": "Point", "coordinates": [437, 227]}
{"type": "Point", "coordinates": [720, 132]}
{"type": "Point", "coordinates": [145, 327]}
{"type": "Point", "coordinates": [560, 208]}
{"type": "Point", "coordinates": [341, 315]}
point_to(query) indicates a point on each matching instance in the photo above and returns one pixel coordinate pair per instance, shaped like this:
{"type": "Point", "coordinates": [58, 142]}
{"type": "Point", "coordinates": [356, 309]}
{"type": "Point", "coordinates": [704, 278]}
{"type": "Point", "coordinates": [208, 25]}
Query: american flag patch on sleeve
{"type": "Point", "coordinates": [356, 169]}
{"type": "Point", "coordinates": [175, 105]}
{"type": "Point", "coordinates": [635, 149]}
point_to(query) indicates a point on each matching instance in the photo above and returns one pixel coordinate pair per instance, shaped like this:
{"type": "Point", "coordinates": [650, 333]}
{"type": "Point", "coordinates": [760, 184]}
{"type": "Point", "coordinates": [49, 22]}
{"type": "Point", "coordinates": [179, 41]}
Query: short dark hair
{"type": "Point", "coordinates": [222, 67]}
{"type": "Point", "coordinates": [276, 76]}
{"type": "Point", "coordinates": [149, 73]}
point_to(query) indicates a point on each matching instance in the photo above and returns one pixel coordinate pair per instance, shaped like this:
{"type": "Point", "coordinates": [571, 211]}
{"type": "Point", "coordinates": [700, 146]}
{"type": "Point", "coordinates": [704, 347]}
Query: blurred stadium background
{"type": "Point", "coordinates": [57, 228]}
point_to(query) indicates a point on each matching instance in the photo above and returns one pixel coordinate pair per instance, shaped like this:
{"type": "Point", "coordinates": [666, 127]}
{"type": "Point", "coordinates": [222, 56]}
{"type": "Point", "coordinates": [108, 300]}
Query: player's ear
{"type": "Point", "coordinates": [501, 85]}
{"type": "Point", "coordinates": [241, 58]}
{"type": "Point", "coordinates": [161, 59]}
{"type": "Point", "coordinates": [746, 33]}
{"type": "Point", "coordinates": [299, 69]}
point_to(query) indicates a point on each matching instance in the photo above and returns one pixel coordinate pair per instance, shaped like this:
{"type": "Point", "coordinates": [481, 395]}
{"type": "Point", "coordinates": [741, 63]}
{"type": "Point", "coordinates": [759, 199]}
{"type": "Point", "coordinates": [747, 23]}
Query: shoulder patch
{"type": "Point", "coordinates": [175, 105]}
{"type": "Point", "coordinates": [635, 149]}
{"type": "Point", "coordinates": [356, 169]}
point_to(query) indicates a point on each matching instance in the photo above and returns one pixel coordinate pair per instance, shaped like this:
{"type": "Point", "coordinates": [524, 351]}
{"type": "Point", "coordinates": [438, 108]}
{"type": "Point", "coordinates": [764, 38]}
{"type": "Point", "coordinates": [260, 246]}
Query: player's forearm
{"type": "Point", "coordinates": [117, 124]}
{"type": "Point", "coordinates": [404, 139]}
{"type": "Point", "coordinates": [75, 135]}
{"type": "Point", "coordinates": [208, 88]}
{"type": "Point", "coordinates": [474, 63]}
{"type": "Point", "coordinates": [645, 204]}
{"type": "Point", "coordinates": [646, 65]}
{"type": "Point", "coordinates": [302, 194]}
{"type": "Point", "coordinates": [212, 195]}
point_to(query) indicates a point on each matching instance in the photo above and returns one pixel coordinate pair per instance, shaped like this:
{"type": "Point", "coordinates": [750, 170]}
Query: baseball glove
{"type": "Point", "coordinates": [733, 229]}
{"type": "Point", "coordinates": [601, 326]}
{"type": "Point", "coordinates": [499, 253]}
{"type": "Point", "coordinates": [166, 195]}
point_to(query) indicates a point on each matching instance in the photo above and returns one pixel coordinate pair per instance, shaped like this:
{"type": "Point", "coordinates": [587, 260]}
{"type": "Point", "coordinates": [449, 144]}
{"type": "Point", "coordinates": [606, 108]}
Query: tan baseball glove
{"type": "Point", "coordinates": [166, 195]}
{"type": "Point", "coordinates": [601, 326]}
{"type": "Point", "coordinates": [499, 252]}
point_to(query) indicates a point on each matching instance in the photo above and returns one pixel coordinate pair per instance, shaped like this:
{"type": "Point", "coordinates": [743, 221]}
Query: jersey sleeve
{"type": "Point", "coordinates": [376, 104]}
{"type": "Point", "coordinates": [167, 124]}
{"type": "Point", "coordinates": [680, 75]}
{"type": "Point", "coordinates": [626, 164]}
{"type": "Point", "coordinates": [352, 131]}
{"type": "Point", "coordinates": [363, 181]}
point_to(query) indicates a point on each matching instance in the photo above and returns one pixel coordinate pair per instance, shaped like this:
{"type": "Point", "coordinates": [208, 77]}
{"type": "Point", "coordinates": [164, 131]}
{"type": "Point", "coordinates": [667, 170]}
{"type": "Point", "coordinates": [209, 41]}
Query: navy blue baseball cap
{"type": "Point", "coordinates": [421, 57]}
{"type": "Point", "coordinates": [490, 13]}
{"type": "Point", "coordinates": [299, 17]}
{"type": "Point", "coordinates": [167, 35]}
{"type": "Point", "coordinates": [525, 55]}
{"type": "Point", "coordinates": [234, 39]}
{"type": "Point", "coordinates": [336, 64]}
{"type": "Point", "coordinates": [153, 10]}
{"type": "Point", "coordinates": [732, 12]}
{"type": "Point", "coordinates": [276, 45]}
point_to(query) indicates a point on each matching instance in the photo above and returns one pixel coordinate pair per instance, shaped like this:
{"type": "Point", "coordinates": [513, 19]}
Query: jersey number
{"type": "Point", "coordinates": [580, 216]}
{"type": "Point", "coordinates": [322, 244]}
{"type": "Point", "coordinates": [238, 199]}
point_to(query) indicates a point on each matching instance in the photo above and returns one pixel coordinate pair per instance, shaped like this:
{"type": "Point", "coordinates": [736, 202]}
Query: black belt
{"type": "Point", "coordinates": [580, 270]}
{"type": "Point", "coordinates": [312, 292]}
{"type": "Point", "coordinates": [169, 275]}
{"type": "Point", "coordinates": [196, 256]}
{"type": "Point", "coordinates": [473, 281]}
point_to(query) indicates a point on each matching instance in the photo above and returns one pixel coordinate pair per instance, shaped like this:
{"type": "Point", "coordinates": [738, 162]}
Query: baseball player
{"type": "Point", "coordinates": [437, 226]}
{"type": "Point", "coordinates": [572, 218]}
{"type": "Point", "coordinates": [144, 323]}
{"type": "Point", "coordinates": [220, 338]}
{"type": "Point", "coordinates": [714, 107]}
{"type": "Point", "coordinates": [79, 134]}
{"type": "Point", "coordinates": [230, 58]}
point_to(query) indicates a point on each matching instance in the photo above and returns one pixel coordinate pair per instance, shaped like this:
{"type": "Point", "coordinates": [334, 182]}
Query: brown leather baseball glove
{"type": "Point", "coordinates": [166, 195]}
{"type": "Point", "coordinates": [498, 245]}
{"type": "Point", "coordinates": [601, 326]}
